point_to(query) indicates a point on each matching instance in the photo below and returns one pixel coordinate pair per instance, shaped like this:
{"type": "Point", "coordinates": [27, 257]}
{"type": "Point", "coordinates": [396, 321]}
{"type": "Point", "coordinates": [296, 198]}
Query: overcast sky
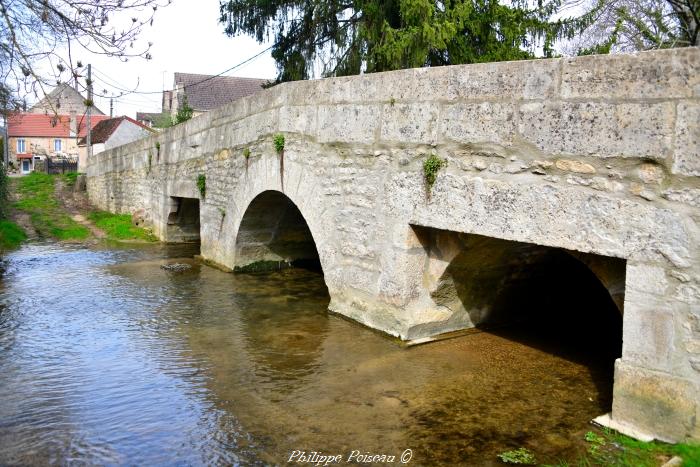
{"type": "Point", "coordinates": [186, 38]}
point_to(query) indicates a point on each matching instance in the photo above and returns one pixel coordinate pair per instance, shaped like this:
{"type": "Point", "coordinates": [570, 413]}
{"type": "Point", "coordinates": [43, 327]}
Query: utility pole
{"type": "Point", "coordinates": [111, 107]}
{"type": "Point", "coordinates": [89, 113]}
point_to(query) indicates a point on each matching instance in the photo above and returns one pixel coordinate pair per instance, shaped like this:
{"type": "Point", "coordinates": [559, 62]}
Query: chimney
{"type": "Point", "coordinates": [73, 123]}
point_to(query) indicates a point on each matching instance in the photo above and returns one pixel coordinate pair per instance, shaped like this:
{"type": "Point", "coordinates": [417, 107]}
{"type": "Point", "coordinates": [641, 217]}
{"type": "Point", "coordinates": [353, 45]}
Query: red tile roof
{"type": "Point", "coordinates": [103, 130]}
{"type": "Point", "coordinates": [37, 125]}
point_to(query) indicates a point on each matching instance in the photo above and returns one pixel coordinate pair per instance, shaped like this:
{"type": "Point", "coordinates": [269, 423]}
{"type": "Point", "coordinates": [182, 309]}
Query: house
{"type": "Point", "coordinates": [114, 132]}
{"type": "Point", "coordinates": [206, 92]}
{"type": "Point", "coordinates": [35, 136]}
{"type": "Point", "coordinates": [63, 99]}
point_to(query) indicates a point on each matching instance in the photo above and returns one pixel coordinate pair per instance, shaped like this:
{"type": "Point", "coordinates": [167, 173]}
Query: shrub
{"type": "Point", "coordinates": [4, 192]}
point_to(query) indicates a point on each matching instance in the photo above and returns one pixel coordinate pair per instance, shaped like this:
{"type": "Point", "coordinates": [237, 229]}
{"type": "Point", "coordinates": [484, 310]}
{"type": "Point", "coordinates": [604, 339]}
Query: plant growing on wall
{"type": "Point", "coordinates": [157, 150]}
{"type": "Point", "coordinates": [150, 161]}
{"type": "Point", "coordinates": [278, 140]}
{"type": "Point", "coordinates": [202, 184]}
{"type": "Point", "coordinates": [431, 167]}
{"type": "Point", "coordinates": [184, 113]}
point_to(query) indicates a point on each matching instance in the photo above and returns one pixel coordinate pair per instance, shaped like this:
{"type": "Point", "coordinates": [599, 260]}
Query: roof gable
{"type": "Point", "coordinates": [62, 100]}
{"type": "Point", "coordinates": [106, 128]}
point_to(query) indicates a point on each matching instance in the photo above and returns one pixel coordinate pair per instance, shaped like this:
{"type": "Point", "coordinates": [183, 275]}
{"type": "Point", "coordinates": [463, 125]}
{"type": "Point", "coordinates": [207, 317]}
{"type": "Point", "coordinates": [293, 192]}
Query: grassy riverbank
{"type": "Point", "coordinates": [36, 198]}
{"type": "Point", "coordinates": [607, 447]}
{"type": "Point", "coordinates": [119, 226]}
{"type": "Point", "coordinates": [46, 207]}
{"type": "Point", "coordinates": [11, 235]}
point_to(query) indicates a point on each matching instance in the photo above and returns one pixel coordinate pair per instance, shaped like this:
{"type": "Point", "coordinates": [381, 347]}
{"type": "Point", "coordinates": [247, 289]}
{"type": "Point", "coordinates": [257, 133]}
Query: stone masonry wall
{"type": "Point", "coordinates": [597, 155]}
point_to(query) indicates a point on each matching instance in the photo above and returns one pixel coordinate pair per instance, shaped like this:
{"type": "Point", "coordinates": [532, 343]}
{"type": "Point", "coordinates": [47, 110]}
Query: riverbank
{"type": "Point", "coordinates": [48, 207]}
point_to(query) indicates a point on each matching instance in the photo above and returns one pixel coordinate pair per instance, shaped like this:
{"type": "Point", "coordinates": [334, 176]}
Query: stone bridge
{"type": "Point", "coordinates": [556, 171]}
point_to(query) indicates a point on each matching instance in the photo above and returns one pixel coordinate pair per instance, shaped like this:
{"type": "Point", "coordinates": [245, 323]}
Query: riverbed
{"type": "Point", "coordinates": [106, 358]}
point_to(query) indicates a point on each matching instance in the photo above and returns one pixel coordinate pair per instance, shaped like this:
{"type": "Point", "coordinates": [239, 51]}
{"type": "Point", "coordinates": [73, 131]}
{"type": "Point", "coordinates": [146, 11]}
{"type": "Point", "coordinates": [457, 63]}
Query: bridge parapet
{"type": "Point", "coordinates": [597, 156]}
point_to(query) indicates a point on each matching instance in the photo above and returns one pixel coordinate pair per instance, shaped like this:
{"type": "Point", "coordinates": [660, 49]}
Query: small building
{"type": "Point", "coordinates": [35, 136]}
{"type": "Point", "coordinates": [114, 132]}
{"type": "Point", "coordinates": [206, 92]}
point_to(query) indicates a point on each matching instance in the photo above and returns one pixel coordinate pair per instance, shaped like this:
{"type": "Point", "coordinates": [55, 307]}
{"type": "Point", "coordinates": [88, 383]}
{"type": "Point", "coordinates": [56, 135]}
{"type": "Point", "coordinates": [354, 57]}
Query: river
{"type": "Point", "coordinates": [105, 358]}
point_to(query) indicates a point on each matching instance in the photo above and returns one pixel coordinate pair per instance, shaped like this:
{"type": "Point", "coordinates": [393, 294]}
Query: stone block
{"type": "Point", "coordinates": [574, 166]}
{"type": "Point", "coordinates": [478, 123]}
{"type": "Point", "coordinates": [599, 129]}
{"type": "Point", "coordinates": [401, 277]}
{"type": "Point", "coordinates": [298, 119]}
{"type": "Point", "coordinates": [348, 123]}
{"type": "Point", "coordinates": [409, 123]}
{"type": "Point", "coordinates": [646, 279]}
{"type": "Point", "coordinates": [656, 403]}
{"type": "Point", "coordinates": [686, 154]}
{"type": "Point", "coordinates": [519, 80]}
{"type": "Point", "coordinates": [647, 75]}
{"type": "Point", "coordinates": [253, 127]}
{"type": "Point", "coordinates": [648, 335]}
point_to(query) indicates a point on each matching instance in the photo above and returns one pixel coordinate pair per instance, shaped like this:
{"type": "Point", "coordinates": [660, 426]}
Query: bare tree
{"type": "Point", "coordinates": [39, 40]}
{"type": "Point", "coordinates": [632, 25]}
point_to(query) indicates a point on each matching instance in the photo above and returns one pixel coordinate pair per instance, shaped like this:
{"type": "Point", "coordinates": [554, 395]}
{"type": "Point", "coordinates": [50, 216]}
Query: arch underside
{"type": "Point", "coordinates": [494, 281]}
{"type": "Point", "coordinates": [273, 234]}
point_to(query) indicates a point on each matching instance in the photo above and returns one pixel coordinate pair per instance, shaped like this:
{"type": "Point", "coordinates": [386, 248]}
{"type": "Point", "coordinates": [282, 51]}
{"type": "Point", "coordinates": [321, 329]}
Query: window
{"type": "Point", "coordinates": [57, 145]}
{"type": "Point", "coordinates": [20, 146]}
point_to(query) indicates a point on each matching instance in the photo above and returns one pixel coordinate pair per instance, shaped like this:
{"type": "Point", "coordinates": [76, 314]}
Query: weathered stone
{"type": "Point", "coordinates": [176, 267]}
{"type": "Point", "coordinates": [664, 404]}
{"type": "Point", "coordinates": [575, 166]}
{"type": "Point", "coordinates": [599, 129]}
{"type": "Point", "coordinates": [415, 123]}
{"type": "Point", "coordinates": [350, 123]}
{"type": "Point", "coordinates": [651, 173]}
{"type": "Point", "coordinates": [686, 156]}
{"type": "Point", "coordinates": [640, 76]}
{"type": "Point", "coordinates": [477, 123]}
{"type": "Point", "coordinates": [689, 196]}
{"type": "Point", "coordinates": [298, 119]}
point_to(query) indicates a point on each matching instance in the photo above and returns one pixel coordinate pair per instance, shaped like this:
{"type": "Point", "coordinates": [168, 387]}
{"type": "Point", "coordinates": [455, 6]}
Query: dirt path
{"type": "Point", "coordinates": [76, 203]}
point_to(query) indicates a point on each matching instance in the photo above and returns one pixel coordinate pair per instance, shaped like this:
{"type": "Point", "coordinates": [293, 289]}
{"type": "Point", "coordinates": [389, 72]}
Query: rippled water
{"type": "Point", "coordinates": [105, 358]}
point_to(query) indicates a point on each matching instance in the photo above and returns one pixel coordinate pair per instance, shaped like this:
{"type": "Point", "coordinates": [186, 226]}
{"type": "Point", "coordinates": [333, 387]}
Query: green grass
{"type": "Point", "coordinates": [36, 193]}
{"type": "Point", "coordinates": [11, 235]}
{"type": "Point", "coordinates": [119, 226]}
{"type": "Point", "coordinates": [70, 178]}
{"type": "Point", "coordinates": [607, 447]}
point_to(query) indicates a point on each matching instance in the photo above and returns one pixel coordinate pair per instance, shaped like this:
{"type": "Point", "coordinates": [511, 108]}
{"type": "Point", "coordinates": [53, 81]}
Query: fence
{"type": "Point", "coordinates": [56, 166]}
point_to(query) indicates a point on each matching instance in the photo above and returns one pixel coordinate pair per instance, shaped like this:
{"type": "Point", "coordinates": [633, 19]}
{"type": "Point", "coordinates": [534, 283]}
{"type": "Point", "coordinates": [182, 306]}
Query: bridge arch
{"type": "Point", "coordinates": [274, 234]}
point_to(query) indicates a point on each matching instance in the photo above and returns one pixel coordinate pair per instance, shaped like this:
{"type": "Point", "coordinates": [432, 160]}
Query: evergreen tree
{"type": "Point", "coordinates": [338, 37]}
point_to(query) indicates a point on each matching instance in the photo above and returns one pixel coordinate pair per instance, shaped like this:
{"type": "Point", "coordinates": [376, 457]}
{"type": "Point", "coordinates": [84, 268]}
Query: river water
{"type": "Point", "coordinates": [105, 358]}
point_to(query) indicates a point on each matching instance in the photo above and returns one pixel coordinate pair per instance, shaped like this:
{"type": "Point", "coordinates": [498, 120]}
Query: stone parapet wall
{"type": "Point", "coordinates": [598, 155]}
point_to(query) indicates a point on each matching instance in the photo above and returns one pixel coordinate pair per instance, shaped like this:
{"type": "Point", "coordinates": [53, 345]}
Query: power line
{"type": "Point", "coordinates": [126, 92]}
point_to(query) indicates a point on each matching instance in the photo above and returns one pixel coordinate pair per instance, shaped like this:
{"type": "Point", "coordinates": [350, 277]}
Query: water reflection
{"type": "Point", "coordinates": [107, 358]}
{"type": "Point", "coordinates": [284, 324]}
